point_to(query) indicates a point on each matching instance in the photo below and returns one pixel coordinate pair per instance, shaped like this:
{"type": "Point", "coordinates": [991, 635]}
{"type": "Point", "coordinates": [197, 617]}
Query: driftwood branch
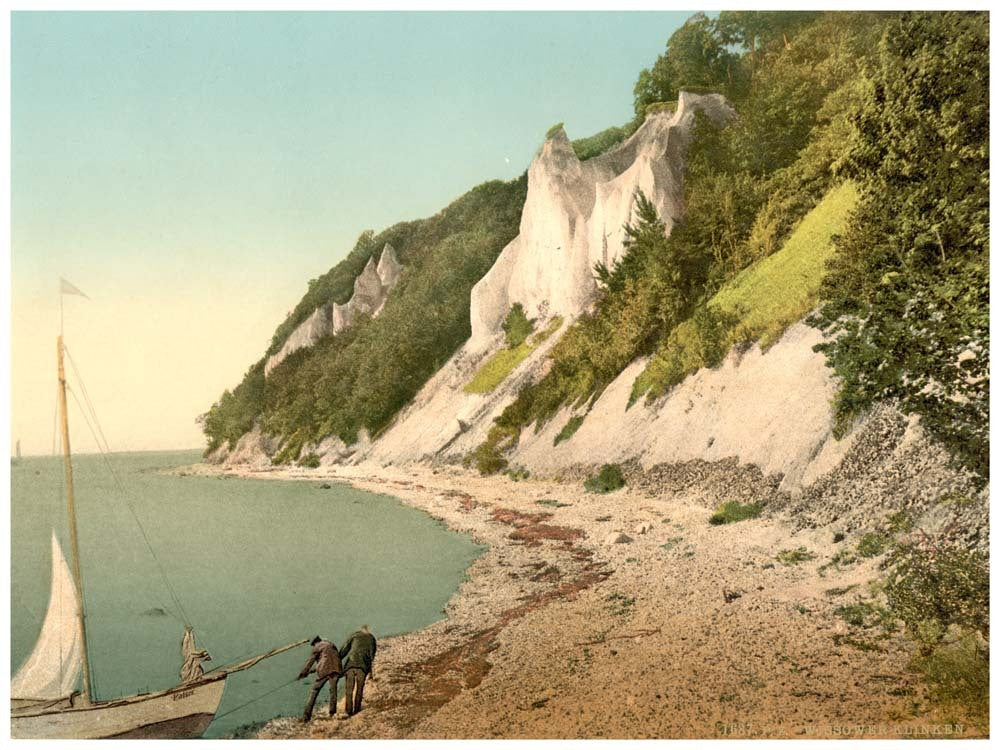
{"type": "Point", "coordinates": [638, 634]}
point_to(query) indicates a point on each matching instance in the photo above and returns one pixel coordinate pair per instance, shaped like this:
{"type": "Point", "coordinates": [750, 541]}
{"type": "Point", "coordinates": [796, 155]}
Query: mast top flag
{"type": "Point", "coordinates": [66, 288]}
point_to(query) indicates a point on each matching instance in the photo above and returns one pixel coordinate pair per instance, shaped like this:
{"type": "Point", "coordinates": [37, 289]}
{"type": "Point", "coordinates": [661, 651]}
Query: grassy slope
{"type": "Point", "coordinates": [779, 290]}
{"type": "Point", "coordinates": [763, 300]}
{"type": "Point", "coordinates": [496, 369]}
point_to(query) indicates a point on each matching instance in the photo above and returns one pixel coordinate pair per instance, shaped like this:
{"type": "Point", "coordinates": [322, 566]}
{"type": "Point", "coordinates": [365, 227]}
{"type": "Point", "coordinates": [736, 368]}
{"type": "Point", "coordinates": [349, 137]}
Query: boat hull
{"type": "Point", "coordinates": [183, 712]}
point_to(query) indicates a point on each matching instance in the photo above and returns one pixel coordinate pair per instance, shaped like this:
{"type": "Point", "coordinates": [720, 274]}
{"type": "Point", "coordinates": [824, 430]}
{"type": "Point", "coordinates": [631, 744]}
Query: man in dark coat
{"type": "Point", "coordinates": [328, 669]}
{"type": "Point", "coordinates": [358, 652]}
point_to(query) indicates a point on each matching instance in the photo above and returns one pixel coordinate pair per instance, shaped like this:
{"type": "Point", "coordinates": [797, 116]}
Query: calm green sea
{"type": "Point", "coordinates": [255, 564]}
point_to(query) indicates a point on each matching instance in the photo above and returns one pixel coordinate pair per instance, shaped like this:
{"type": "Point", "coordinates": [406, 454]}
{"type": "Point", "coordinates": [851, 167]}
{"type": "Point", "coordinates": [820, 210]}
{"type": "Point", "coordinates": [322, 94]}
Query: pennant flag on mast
{"type": "Point", "coordinates": [66, 288]}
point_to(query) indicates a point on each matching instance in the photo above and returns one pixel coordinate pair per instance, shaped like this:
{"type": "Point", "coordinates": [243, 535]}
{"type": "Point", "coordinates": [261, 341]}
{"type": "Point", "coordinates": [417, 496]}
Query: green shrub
{"type": "Point", "coordinates": [487, 460]}
{"type": "Point", "coordinates": [940, 589]}
{"type": "Point", "coordinates": [516, 326]}
{"type": "Point", "coordinates": [900, 522]}
{"type": "Point", "coordinates": [551, 503]}
{"type": "Point", "coordinates": [595, 145]}
{"type": "Point", "coordinates": [958, 678]}
{"type": "Point", "coordinates": [671, 543]}
{"type": "Point", "coordinates": [936, 584]}
{"type": "Point", "coordinates": [732, 511]}
{"type": "Point", "coordinates": [843, 557]}
{"type": "Point", "coordinates": [795, 556]}
{"type": "Point", "coordinates": [657, 107]}
{"type": "Point", "coordinates": [518, 473]}
{"type": "Point", "coordinates": [840, 590]}
{"type": "Point", "coordinates": [861, 644]}
{"type": "Point", "coordinates": [309, 461]}
{"type": "Point", "coordinates": [701, 341]}
{"type": "Point", "coordinates": [569, 429]}
{"type": "Point", "coordinates": [907, 297]}
{"type": "Point", "coordinates": [865, 615]}
{"type": "Point", "coordinates": [620, 605]}
{"type": "Point", "coordinates": [956, 499]}
{"type": "Point", "coordinates": [290, 451]}
{"type": "Point", "coordinates": [553, 130]}
{"type": "Point", "coordinates": [873, 545]}
{"type": "Point", "coordinates": [608, 479]}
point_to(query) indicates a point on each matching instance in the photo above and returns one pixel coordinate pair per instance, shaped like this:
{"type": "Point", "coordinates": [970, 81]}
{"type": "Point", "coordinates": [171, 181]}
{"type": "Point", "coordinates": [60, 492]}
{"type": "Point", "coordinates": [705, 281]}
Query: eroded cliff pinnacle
{"type": "Point", "coordinates": [371, 289]}
{"type": "Point", "coordinates": [575, 213]}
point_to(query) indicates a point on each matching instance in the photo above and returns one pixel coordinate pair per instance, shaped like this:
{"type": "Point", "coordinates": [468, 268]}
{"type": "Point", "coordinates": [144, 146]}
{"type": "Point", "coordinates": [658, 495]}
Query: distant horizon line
{"type": "Point", "coordinates": [99, 453]}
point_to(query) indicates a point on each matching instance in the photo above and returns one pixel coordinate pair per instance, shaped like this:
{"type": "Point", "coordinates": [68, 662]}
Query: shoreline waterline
{"type": "Point", "coordinates": [621, 594]}
{"type": "Point", "coordinates": [253, 566]}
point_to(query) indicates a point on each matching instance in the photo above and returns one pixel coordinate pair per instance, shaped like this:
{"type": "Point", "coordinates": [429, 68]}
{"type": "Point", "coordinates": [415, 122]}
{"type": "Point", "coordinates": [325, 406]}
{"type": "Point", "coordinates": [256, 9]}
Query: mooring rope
{"type": "Point", "coordinates": [254, 700]}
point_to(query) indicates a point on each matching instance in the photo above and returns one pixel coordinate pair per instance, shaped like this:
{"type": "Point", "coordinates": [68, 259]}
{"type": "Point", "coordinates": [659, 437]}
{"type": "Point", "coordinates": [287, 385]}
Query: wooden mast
{"type": "Point", "coordinates": [71, 507]}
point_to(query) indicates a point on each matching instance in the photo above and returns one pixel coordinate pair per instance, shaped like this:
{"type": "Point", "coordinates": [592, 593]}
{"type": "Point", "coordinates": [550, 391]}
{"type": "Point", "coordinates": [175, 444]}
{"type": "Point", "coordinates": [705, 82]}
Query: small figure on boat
{"type": "Point", "coordinates": [325, 660]}
{"type": "Point", "coordinates": [358, 653]}
{"type": "Point", "coordinates": [192, 656]}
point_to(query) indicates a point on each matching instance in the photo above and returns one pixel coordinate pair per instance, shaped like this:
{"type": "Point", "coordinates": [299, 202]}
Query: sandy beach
{"type": "Point", "coordinates": [626, 615]}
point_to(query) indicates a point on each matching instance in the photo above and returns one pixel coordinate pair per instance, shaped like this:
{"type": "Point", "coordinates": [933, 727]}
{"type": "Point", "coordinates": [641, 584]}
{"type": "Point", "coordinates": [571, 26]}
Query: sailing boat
{"type": "Point", "coordinates": [44, 701]}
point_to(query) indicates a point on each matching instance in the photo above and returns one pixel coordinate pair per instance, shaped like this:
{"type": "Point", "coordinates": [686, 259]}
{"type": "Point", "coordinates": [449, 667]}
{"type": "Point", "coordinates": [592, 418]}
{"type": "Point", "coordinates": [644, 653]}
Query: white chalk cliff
{"type": "Point", "coordinates": [573, 217]}
{"type": "Point", "coordinates": [770, 409]}
{"type": "Point", "coordinates": [575, 213]}
{"type": "Point", "coordinates": [371, 288]}
{"type": "Point", "coordinates": [767, 409]}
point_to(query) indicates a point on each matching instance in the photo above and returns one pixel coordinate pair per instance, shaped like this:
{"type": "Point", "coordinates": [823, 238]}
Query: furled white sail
{"type": "Point", "coordinates": [53, 669]}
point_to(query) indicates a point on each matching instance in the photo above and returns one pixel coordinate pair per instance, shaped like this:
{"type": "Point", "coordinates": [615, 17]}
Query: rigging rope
{"type": "Point", "coordinates": [254, 700]}
{"type": "Point", "coordinates": [105, 449]}
{"type": "Point", "coordinates": [121, 488]}
{"type": "Point", "coordinates": [90, 405]}
{"type": "Point", "coordinates": [226, 664]}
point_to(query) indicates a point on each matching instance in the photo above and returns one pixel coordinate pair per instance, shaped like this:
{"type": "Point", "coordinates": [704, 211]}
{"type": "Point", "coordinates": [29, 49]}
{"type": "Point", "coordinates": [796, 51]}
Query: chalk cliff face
{"type": "Point", "coordinates": [771, 410]}
{"type": "Point", "coordinates": [574, 216]}
{"type": "Point", "coordinates": [371, 289]}
{"type": "Point", "coordinates": [766, 410]}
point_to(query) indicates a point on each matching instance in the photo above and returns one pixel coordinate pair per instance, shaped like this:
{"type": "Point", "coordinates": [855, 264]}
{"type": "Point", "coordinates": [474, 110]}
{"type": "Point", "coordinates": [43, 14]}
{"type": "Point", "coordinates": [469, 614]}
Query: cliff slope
{"type": "Point", "coordinates": [371, 289]}
{"type": "Point", "coordinates": [573, 217]}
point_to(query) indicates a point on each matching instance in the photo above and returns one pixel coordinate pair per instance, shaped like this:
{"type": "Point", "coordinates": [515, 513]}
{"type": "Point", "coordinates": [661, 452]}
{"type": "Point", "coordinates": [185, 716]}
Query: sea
{"type": "Point", "coordinates": [252, 564]}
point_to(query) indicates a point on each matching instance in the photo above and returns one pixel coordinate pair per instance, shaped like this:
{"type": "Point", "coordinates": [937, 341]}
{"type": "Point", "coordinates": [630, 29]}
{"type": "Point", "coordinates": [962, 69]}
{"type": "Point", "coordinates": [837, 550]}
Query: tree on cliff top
{"type": "Point", "coordinates": [907, 296]}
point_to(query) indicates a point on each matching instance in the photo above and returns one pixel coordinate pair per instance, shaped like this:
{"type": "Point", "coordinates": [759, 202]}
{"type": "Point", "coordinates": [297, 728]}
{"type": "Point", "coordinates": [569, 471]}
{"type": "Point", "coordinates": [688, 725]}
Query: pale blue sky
{"type": "Point", "coordinates": [191, 172]}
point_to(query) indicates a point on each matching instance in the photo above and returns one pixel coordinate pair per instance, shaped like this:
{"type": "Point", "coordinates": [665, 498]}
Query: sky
{"type": "Point", "coordinates": [190, 172]}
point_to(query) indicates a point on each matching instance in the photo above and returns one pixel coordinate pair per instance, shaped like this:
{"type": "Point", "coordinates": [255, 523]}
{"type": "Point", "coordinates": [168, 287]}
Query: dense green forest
{"type": "Point", "coordinates": [907, 296]}
{"type": "Point", "coordinates": [893, 104]}
{"type": "Point", "coordinates": [794, 80]}
{"type": "Point", "coordinates": [360, 378]}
